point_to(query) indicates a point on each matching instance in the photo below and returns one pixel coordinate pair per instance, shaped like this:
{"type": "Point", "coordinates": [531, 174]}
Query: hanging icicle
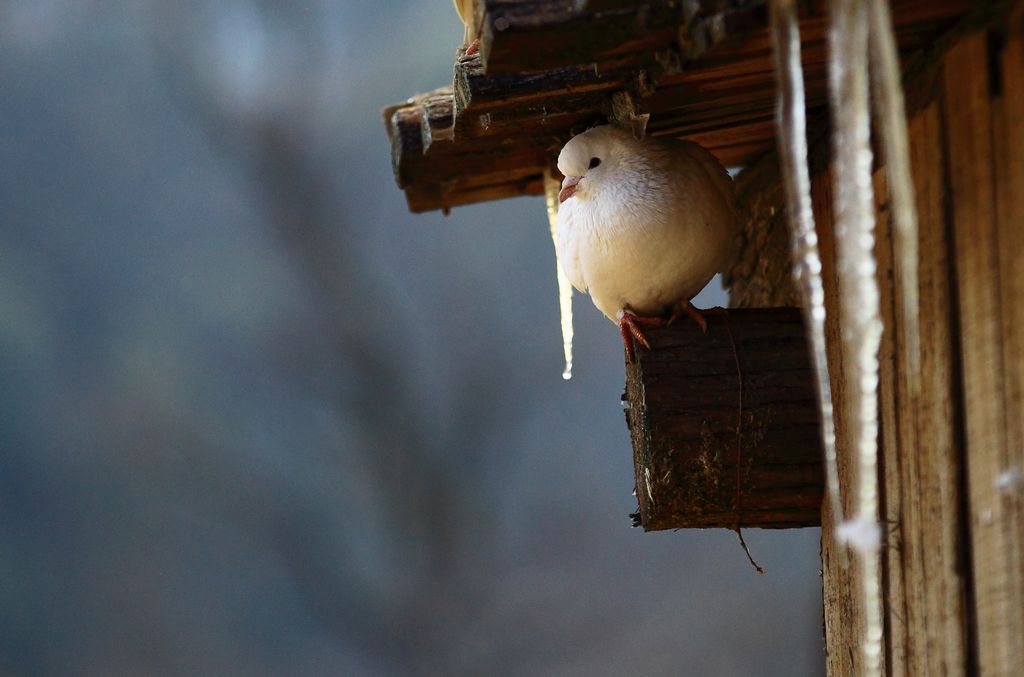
{"type": "Point", "coordinates": [860, 317]}
{"type": "Point", "coordinates": [551, 188]}
{"type": "Point", "coordinates": [792, 124]}
{"type": "Point", "coordinates": [887, 92]}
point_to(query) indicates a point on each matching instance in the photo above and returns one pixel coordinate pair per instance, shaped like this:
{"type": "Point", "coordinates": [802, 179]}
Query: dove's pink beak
{"type": "Point", "coordinates": [568, 188]}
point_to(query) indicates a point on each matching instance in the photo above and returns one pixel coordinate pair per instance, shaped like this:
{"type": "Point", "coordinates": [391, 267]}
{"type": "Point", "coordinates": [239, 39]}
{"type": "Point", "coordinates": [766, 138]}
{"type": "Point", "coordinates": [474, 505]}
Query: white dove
{"type": "Point", "coordinates": [643, 225]}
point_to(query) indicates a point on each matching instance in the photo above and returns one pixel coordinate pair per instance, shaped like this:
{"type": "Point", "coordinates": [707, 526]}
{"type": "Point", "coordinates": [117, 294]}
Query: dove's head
{"type": "Point", "coordinates": [591, 161]}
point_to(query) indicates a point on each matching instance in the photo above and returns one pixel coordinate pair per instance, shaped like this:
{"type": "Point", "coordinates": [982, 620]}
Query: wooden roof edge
{"type": "Point", "coordinates": [611, 89]}
{"type": "Point", "coordinates": [491, 136]}
{"type": "Point", "coordinates": [517, 35]}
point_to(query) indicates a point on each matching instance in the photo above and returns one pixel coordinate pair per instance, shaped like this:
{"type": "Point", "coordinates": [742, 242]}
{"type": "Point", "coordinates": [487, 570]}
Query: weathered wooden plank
{"type": "Point", "coordinates": [489, 169]}
{"type": "Point", "coordinates": [761, 273]}
{"type": "Point", "coordinates": [844, 622]}
{"type": "Point", "coordinates": [533, 35]}
{"type": "Point", "coordinates": [916, 25]}
{"type": "Point", "coordinates": [968, 132]}
{"type": "Point", "coordinates": [609, 5]}
{"type": "Point", "coordinates": [893, 481]}
{"type": "Point", "coordinates": [931, 527]}
{"type": "Point", "coordinates": [437, 121]}
{"type": "Point", "coordinates": [405, 130]}
{"type": "Point", "coordinates": [477, 92]}
{"type": "Point", "coordinates": [925, 628]}
{"type": "Point", "coordinates": [1008, 137]}
{"type": "Point", "coordinates": [428, 199]}
{"type": "Point", "coordinates": [684, 407]}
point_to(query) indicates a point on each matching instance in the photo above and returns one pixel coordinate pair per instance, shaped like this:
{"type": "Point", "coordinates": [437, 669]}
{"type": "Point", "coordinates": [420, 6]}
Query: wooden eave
{"type": "Point", "coordinates": [547, 69]}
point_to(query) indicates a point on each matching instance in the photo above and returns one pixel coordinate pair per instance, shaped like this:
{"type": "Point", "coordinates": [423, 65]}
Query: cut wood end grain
{"type": "Point", "coordinates": [683, 408]}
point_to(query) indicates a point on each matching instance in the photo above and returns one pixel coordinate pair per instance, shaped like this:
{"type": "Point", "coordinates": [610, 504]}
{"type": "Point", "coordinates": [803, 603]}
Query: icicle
{"type": "Point", "coordinates": [551, 188]}
{"type": "Point", "coordinates": [888, 98]}
{"type": "Point", "coordinates": [806, 261]}
{"type": "Point", "coordinates": [859, 296]}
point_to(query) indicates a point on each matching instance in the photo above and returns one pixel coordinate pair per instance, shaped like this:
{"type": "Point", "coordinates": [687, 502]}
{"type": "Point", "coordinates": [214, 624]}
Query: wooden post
{"type": "Point", "coordinates": [683, 402]}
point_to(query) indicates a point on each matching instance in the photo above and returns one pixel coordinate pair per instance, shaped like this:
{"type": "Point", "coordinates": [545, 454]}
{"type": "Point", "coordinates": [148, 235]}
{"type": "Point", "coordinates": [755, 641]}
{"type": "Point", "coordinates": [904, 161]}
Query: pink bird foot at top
{"type": "Point", "coordinates": [630, 327]}
{"type": "Point", "coordinates": [694, 313]}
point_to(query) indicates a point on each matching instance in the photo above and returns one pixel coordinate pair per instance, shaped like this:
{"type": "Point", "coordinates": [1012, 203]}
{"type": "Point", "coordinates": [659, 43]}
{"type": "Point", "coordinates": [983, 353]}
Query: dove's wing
{"type": "Point", "coordinates": [720, 178]}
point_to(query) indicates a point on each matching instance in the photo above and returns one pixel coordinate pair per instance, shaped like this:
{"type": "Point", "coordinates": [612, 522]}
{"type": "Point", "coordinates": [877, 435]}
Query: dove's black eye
{"type": "Point", "coordinates": [594, 161]}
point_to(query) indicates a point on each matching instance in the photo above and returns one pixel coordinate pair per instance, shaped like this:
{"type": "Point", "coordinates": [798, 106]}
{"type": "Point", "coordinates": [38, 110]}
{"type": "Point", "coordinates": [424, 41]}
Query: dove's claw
{"type": "Point", "coordinates": [473, 46]}
{"type": "Point", "coordinates": [629, 327]}
{"type": "Point", "coordinates": [627, 341]}
{"type": "Point", "coordinates": [696, 314]}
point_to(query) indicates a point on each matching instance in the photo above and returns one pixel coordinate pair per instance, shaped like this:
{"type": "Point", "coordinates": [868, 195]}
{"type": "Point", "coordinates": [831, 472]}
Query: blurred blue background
{"type": "Point", "coordinates": [257, 419]}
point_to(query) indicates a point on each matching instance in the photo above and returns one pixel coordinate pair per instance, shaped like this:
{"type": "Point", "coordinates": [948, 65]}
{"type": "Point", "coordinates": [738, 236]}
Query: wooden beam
{"type": "Point", "coordinates": [437, 121]}
{"type": "Point", "coordinates": [683, 409]}
{"type": "Point", "coordinates": [534, 35]}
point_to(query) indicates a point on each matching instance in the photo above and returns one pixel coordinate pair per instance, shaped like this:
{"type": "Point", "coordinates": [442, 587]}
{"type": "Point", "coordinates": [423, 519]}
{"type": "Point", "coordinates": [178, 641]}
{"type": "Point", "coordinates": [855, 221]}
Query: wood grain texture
{"type": "Point", "coordinates": [893, 481]}
{"type": "Point", "coordinates": [683, 413]}
{"type": "Point", "coordinates": [953, 552]}
{"type": "Point", "coordinates": [761, 274]}
{"type": "Point", "coordinates": [930, 523]}
{"type": "Point", "coordinates": [925, 586]}
{"type": "Point", "coordinates": [923, 567]}
{"type": "Point", "coordinates": [968, 115]}
{"type": "Point", "coordinates": [1009, 144]}
{"type": "Point", "coordinates": [844, 621]}
{"type": "Point", "coordinates": [536, 35]}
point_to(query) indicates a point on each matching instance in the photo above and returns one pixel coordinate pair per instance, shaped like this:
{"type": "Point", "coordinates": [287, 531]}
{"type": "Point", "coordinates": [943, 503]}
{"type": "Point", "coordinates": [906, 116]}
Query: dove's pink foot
{"type": "Point", "coordinates": [629, 327]}
{"type": "Point", "coordinates": [473, 47]}
{"type": "Point", "coordinates": [694, 313]}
